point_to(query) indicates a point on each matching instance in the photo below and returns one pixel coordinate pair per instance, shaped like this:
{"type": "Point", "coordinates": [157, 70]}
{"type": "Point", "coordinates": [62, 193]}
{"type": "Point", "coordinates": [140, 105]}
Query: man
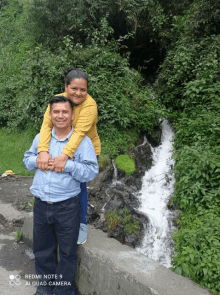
{"type": "Point", "coordinates": [56, 207]}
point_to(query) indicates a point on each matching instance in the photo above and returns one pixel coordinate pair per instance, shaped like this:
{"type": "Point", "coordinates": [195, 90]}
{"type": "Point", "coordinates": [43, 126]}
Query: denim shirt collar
{"type": "Point", "coordinates": [63, 139]}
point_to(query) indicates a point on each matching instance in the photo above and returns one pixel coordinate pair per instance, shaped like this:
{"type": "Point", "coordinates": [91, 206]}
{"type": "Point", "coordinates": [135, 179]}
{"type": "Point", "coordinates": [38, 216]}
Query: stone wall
{"type": "Point", "coordinates": [106, 267]}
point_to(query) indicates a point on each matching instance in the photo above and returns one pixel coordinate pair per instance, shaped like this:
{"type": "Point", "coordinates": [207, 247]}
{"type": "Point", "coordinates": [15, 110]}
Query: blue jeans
{"type": "Point", "coordinates": [56, 224]}
{"type": "Point", "coordinates": [84, 201]}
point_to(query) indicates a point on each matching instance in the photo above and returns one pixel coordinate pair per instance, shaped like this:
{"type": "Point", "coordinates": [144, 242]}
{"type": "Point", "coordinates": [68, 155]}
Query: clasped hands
{"type": "Point", "coordinates": [45, 162]}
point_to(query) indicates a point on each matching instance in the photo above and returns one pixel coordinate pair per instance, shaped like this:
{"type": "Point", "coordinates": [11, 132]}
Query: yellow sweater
{"type": "Point", "coordinates": [84, 123]}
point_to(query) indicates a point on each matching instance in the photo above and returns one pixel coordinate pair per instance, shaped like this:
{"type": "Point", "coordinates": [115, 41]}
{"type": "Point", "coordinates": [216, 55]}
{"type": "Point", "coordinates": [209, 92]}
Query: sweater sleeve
{"type": "Point", "coordinates": [87, 118]}
{"type": "Point", "coordinates": [45, 132]}
{"type": "Point", "coordinates": [31, 155]}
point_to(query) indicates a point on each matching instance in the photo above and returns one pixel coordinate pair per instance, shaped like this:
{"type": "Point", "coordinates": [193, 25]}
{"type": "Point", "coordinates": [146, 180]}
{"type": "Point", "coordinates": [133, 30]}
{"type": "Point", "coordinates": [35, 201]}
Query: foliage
{"type": "Point", "coordinates": [197, 175]}
{"type": "Point", "coordinates": [200, 125]}
{"type": "Point", "coordinates": [198, 248]}
{"type": "Point", "coordinates": [18, 235]}
{"type": "Point", "coordinates": [118, 90]}
{"type": "Point", "coordinates": [190, 72]}
{"type": "Point", "coordinates": [103, 161]}
{"type": "Point", "coordinates": [39, 39]}
{"type": "Point", "coordinates": [188, 85]}
{"type": "Point", "coordinates": [30, 205]}
{"type": "Point", "coordinates": [52, 21]}
{"type": "Point", "coordinates": [123, 162]}
{"type": "Point", "coordinates": [124, 218]}
{"type": "Point", "coordinates": [113, 219]}
{"type": "Point", "coordinates": [12, 149]}
{"type": "Point", "coordinates": [131, 225]}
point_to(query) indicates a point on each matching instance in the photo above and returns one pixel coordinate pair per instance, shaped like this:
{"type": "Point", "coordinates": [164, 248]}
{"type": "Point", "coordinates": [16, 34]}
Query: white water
{"type": "Point", "coordinates": [157, 187]}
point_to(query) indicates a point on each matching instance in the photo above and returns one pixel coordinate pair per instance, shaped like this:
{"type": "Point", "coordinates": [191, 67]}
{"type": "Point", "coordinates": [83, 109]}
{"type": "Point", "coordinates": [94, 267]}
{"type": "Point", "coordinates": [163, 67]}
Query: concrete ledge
{"type": "Point", "coordinates": [106, 267]}
{"type": "Point", "coordinates": [27, 230]}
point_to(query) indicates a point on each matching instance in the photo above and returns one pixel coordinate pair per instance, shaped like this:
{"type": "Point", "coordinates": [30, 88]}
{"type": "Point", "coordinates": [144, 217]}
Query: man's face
{"type": "Point", "coordinates": [77, 90]}
{"type": "Point", "coordinates": [61, 115]}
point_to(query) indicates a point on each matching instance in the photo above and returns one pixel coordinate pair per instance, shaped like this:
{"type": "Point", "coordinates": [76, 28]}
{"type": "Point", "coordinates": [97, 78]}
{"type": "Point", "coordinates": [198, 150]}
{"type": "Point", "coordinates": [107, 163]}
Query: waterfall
{"type": "Point", "coordinates": [157, 188]}
{"type": "Point", "coordinates": [114, 182]}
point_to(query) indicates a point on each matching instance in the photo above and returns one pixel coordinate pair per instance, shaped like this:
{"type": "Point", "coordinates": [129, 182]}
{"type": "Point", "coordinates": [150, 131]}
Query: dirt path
{"type": "Point", "coordinates": [15, 265]}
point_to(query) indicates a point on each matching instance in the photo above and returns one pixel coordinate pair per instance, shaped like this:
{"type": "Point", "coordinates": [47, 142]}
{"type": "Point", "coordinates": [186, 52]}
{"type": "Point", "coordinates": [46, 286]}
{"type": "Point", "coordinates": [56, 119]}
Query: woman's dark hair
{"type": "Point", "coordinates": [56, 99]}
{"type": "Point", "coordinates": [74, 73]}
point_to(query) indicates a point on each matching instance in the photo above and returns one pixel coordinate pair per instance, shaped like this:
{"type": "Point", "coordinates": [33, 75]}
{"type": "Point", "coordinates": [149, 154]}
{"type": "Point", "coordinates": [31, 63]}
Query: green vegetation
{"type": "Point", "coordinates": [29, 206]}
{"type": "Point", "coordinates": [104, 161]}
{"type": "Point", "coordinates": [124, 218]}
{"type": "Point", "coordinates": [18, 235]}
{"type": "Point", "coordinates": [113, 219]}
{"type": "Point", "coordinates": [176, 44]}
{"type": "Point", "coordinates": [188, 85]}
{"type": "Point", "coordinates": [131, 225]}
{"type": "Point", "coordinates": [12, 149]}
{"type": "Point", "coordinates": [125, 163]}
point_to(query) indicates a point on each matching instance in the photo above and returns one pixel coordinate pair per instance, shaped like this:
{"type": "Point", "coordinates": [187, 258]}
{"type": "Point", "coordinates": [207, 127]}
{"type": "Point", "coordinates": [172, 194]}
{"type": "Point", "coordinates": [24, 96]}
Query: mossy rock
{"type": "Point", "coordinates": [103, 161]}
{"type": "Point", "coordinates": [123, 162]}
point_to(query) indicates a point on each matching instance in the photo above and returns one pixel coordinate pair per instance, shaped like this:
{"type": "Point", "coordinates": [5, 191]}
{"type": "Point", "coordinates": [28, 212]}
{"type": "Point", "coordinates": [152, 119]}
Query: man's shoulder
{"type": "Point", "coordinates": [37, 138]}
{"type": "Point", "coordinates": [85, 142]}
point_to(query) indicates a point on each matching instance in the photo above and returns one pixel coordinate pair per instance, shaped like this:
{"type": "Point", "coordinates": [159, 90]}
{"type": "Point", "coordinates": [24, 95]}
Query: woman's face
{"type": "Point", "coordinates": [76, 90]}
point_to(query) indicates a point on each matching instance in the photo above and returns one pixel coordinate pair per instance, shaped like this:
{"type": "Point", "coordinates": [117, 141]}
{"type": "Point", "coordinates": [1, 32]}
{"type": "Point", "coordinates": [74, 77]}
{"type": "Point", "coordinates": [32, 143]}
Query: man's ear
{"type": "Point", "coordinates": [65, 88]}
{"type": "Point", "coordinates": [50, 114]}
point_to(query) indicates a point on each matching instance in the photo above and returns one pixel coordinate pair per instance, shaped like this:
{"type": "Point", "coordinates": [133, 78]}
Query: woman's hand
{"type": "Point", "coordinates": [43, 160]}
{"type": "Point", "coordinates": [60, 162]}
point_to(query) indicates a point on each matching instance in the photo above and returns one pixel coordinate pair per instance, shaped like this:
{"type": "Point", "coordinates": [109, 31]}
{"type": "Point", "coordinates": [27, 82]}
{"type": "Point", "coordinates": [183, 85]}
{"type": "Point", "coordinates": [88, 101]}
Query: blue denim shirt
{"type": "Point", "coordinates": [56, 187]}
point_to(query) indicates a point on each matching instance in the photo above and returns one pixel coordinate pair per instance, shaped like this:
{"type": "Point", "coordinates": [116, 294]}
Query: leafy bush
{"type": "Point", "coordinates": [190, 72]}
{"type": "Point", "coordinates": [126, 164]}
{"type": "Point", "coordinates": [131, 225]}
{"type": "Point", "coordinates": [103, 161]}
{"type": "Point", "coordinates": [200, 125]}
{"type": "Point", "coordinates": [188, 86]}
{"type": "Point", "coordinates": [125, 106]}
{"type": "Point", "coordinates": [198, 249]}
{"type": "Point", "coordinates": [124, 218]}
{"type": "Point", "coordinates": [113, 219]}
{"type": "Point", "coordinates": [197, 179]}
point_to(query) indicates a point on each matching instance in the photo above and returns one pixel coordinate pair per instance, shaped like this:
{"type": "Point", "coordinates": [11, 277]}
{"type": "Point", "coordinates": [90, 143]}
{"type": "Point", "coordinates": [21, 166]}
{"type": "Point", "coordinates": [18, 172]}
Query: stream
{"type": "Point", "coordinates": [157, 188]}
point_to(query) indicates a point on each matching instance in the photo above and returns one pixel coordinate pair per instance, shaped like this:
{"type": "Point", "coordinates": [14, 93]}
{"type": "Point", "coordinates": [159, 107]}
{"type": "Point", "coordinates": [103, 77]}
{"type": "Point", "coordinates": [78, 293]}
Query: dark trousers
{"type": "Point", "coordinates": [83, 202]}
{"type": "Point", "coordinates": [56, 224]}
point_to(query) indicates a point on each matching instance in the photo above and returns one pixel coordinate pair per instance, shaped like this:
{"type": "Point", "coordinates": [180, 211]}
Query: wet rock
{"type": "Point", "coordinates": [105, 197]}
{"type": "Point", "coordinates": [155, 137]}
{"type": "Point", "coordinates": [2, 219]}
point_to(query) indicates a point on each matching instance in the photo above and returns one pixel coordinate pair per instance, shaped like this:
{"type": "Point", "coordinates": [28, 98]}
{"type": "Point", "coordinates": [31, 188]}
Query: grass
{"type": "Point", "coordinates": [12, 149]}
{"type": "Point", "coordinates": [18, 235]}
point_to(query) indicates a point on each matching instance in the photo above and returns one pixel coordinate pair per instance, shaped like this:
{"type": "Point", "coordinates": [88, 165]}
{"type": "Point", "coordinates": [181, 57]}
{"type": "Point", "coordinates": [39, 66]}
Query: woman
{"type": "Point", "coordinates": [84, 123]}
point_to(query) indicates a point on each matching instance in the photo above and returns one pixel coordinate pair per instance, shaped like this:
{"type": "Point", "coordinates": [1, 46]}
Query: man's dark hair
{"type": "Point", "coordinates": [74, 73]}
{"type": "Point", "coordinates": [56, 99]}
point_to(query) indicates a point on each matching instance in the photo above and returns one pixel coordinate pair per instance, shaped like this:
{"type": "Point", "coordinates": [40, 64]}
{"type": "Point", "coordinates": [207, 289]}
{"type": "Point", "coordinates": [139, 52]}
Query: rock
{"type": "Point", "coordinates": [155, 137]}
{"type": "Point", "coordinates": [2, 219]}
{"type": "Point", "coordinates": [103, 177]}
{"type": "Point", "coordinates": [105, 197]}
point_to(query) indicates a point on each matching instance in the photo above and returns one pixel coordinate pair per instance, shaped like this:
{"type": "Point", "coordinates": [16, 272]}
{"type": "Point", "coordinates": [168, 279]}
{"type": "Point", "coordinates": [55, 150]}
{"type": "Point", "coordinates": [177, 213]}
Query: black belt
{"type": "Point", "coordinates": [51, 203]}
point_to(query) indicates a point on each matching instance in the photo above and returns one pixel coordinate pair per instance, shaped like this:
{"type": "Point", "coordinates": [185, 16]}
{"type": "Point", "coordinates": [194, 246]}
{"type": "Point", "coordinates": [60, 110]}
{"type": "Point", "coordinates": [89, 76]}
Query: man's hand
{"type": "Point", "coordinates": [60, 162]}
{"type": "Point", "coordinates": [43, 160]}
{"type": "Point", "coordinates": [51, 165]}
